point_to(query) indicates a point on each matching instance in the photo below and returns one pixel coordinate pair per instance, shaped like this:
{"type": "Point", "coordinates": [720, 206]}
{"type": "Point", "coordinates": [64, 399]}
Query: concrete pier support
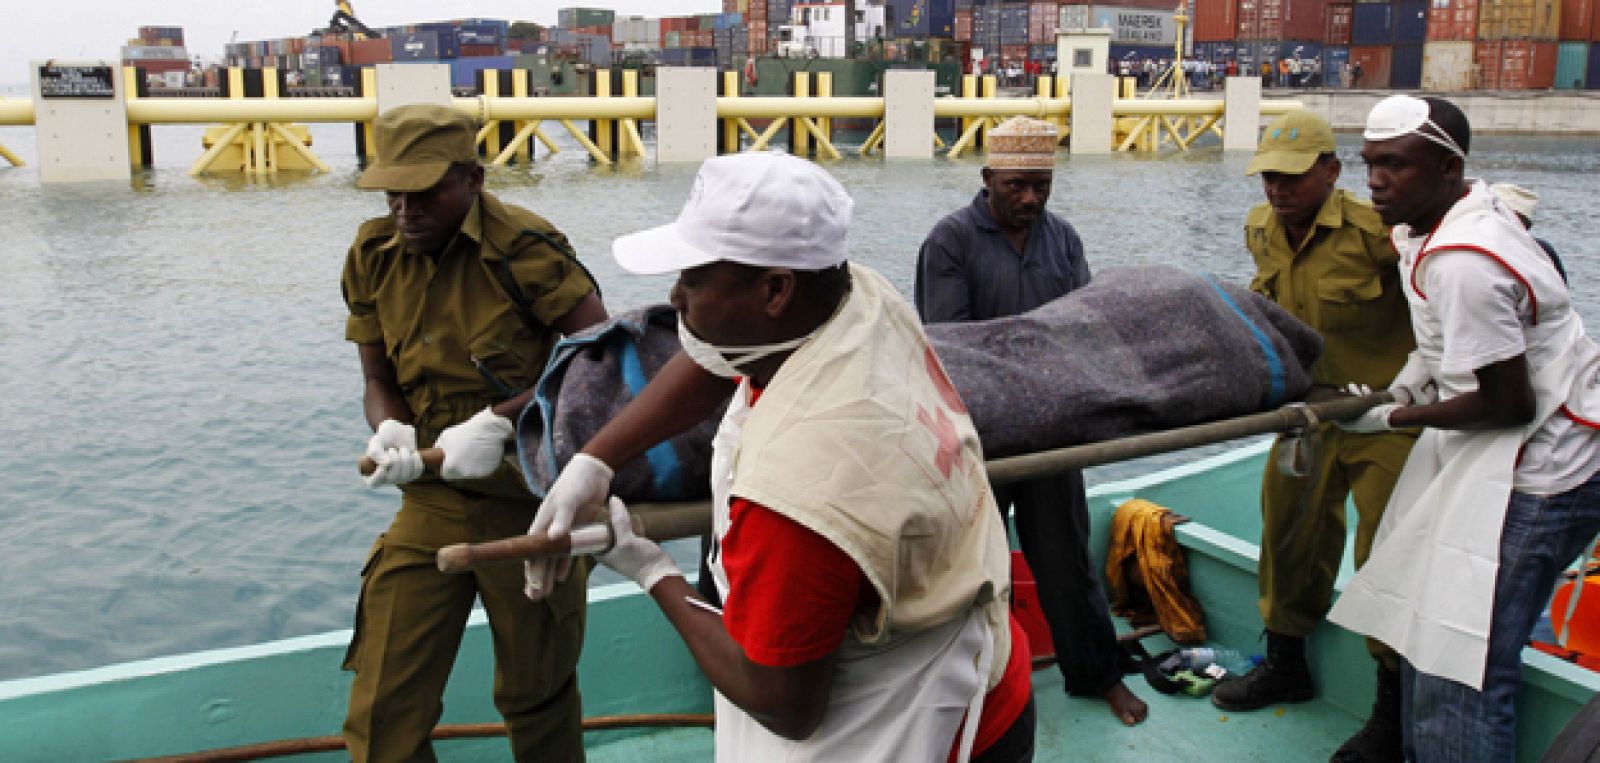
{"type": "Point", "coordinates": [81, 121]}
{"type": "Point", "coordinates": [686, 114]}
{"type": "Point", "coordinates": [1241, 113]}
{"type": "Point", "coordinates": [1093, 96]}
{"type": "Point", "coordinates": [908, 114]}
{"type": "Point", "coordinates": [404, 84]}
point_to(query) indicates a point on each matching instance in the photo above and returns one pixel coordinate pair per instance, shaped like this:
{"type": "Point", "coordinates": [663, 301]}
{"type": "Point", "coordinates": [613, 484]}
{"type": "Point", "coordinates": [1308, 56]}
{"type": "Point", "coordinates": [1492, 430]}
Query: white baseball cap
{"type": "Point", "coordinates": [765, 209]}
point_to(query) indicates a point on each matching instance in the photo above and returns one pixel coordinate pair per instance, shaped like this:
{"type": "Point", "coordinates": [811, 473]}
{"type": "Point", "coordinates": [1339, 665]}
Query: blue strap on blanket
{"type": "Point", "coordinates": [1275, 371]}
{"type": "Point", "coordinates": [664, 467]}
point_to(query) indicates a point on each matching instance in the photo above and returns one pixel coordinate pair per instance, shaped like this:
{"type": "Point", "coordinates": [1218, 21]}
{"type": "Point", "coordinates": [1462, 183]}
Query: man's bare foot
{"type": "Point", "coordinates": [1125, 705]}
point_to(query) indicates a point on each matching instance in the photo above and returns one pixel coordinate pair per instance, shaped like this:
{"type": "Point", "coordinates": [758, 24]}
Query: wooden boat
{"type": "Point", "coordinates": [634, 664]}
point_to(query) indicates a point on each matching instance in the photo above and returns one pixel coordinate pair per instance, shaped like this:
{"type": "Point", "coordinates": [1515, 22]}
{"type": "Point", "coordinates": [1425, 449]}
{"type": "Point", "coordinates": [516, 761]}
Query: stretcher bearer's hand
{"type": "Point", "coordinates": [578, 494]}
{"type": "Point", "coordinates": [394, 448]}
{"type": "Point", "coordinates": [1414, 385]}
{"type": "Point", "coordinates": [474, 448]}
{"type": "Point", "coordinates": [632, 556]}
{"type": "Point", "coordinates": [1376, 419]}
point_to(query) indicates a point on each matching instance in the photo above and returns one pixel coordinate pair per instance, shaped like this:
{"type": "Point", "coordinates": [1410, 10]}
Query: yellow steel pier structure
{"type": "Point", "coordinates": [261, 135]}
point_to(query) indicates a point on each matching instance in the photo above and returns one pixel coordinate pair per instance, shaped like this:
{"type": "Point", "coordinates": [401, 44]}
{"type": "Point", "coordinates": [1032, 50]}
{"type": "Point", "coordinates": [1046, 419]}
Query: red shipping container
{"type": "Point", "coordinates": [603, 31]}
{"type": "Point", "coordinates": [1247, 20]}
{"type": "Point", "coordinates": [1339, 24]}
{"type": "Point", "coordinates": [1453, 20]}
{"type": "Point", "coordinates": [377, 51]}
{"type": "Point", "coordinates": [1577, 20]}
{"type": "Point", "coordinates": [1304, 20]}
{"type": "Point", "coordinates": [1516, 65]}
{"type": "Point", "coordinates": [963, 26]}
{"type": "Point", "coordinates": [1216, 20]}
{"type": "Point", "coordinates": [1374, 61]}
{"type": "Point", "coordinates": [479, 51]}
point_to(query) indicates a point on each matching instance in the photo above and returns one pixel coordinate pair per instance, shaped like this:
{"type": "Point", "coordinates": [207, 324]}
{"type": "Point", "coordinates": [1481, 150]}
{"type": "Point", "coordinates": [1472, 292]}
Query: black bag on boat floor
{"type": "Point", "coordinates": [1138, 350]}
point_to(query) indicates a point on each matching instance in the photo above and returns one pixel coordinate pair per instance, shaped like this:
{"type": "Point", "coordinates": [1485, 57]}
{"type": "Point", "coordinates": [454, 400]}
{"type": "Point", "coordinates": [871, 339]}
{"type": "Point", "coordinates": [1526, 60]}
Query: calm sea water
{"type": "Point", "coordinates": [182, 415]}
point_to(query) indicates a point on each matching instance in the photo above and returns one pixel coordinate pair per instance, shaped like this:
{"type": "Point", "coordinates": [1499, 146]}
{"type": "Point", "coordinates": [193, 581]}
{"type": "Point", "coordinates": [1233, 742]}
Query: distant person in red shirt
{"type": "Point", "coordinates": [859, 552]}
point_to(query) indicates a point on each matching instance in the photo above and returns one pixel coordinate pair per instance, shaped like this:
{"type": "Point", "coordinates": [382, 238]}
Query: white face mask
{"type": "Point", "coordinates": [716, 359]}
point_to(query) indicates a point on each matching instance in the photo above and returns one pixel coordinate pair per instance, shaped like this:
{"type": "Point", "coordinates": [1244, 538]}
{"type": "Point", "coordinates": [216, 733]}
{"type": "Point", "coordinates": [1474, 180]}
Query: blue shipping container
{"type": "Point", "coordinates": [1215, 52]}
{"type": "Point", "coordinates": [478, 34]}
{"type": "Point", "coordinates": [1334, 59]}
{"type": "Point", "coordinates": [1411, 21]}
{"type": "Point", "coordinates": [1372, 24]}
{"type": "Point", "coordinates": [921, 18]}
{"type": "Point", "coordinates": [1405, 66]}
{"type": "Point", "coordinates": [1592, 79]}
{"type": "Point", "coordinates": [464, 71]}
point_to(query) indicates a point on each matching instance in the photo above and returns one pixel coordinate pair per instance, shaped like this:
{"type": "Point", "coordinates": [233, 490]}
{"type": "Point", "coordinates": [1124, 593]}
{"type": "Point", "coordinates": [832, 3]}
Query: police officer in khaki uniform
{"type": "Point", "coordinates": [455, 300]}
{"type": "Point", "coordinates": [1326, 257]}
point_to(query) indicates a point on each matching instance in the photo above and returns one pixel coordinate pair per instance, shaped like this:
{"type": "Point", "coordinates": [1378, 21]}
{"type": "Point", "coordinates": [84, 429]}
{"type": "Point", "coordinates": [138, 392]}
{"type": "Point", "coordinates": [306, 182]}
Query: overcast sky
{"type": "Point", "coordinates": [95, 29]}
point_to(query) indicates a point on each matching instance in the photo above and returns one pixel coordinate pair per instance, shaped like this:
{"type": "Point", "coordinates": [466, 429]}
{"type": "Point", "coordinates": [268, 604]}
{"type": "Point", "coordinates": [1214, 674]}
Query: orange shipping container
{"type": "Point", "coordinates": [1577, 20]}
{"type": "Point", "coordinates": [1216, 20]}
{"type": "Point", "coordinates": [963, 26]}
{"type": "Point", "coordinates": [1453, 20]}
{"type": "Point", "coordinates": [1519, 20]}
{"type": "Point", "coordinates": [1374, 62]}
{"type": "Point", "coordinates": [1516, 65]}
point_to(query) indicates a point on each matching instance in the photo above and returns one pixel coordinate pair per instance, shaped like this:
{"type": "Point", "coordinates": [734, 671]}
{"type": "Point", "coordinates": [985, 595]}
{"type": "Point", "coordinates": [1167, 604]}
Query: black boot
{"type": "Point", "coordinates": [1284, 677]}
{"type": "Point", "coordinates": [1380, 740]}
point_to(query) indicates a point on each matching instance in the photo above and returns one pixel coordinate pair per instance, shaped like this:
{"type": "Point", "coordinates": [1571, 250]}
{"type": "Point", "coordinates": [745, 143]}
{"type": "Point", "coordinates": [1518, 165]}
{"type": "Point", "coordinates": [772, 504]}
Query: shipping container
{"type": "Point", "coordinates": [1516, 64]}
{"type": "Point", "coordinates": [1339, 24]}
{"type": "Point", "coordinates": [1405, 66]}
{"type": "Point", "coordinates": [1572, 65]}
{"type": "Point", "coordinates": [1591, 80]}
{"type": "Point", "coordinates": [1577, 20]}
{"type": "Point", "coordinates": [1411, 22]}
{"type": "Point", "coordinates": [1448, 65]}
{"type": "Point", "coordinates": [1215, 52]}
{"type": "Point", "coordinates": [480, 34]}
{"type": "Point", "coordinates": [1335, 65]}
{"type": "Point", "coordinates": [154, 53]}
{"type": "Point", "coordinates": [1043, 21]}
{"type": "Point", "coordinates": [1290, 20]}
{"type": "Point", "coordinates": [464, 71]}
{"type": "Point", "coordinates": [1519, 20]}
{"type": "Point", "coordinates": [1372, 24]}
{"type": "Point", "coordinates": [373, 51]}
{"type": "Point", "coordinates": [417, 46]}
{"type": "Point", "coordinates": [1453, 20]}
{"type": "Point", "coordinates": [1372, 61]}
{"type": "Point", "coordinates": [572, 18]}
{"type": "Point", "coordinates": [961, 28]}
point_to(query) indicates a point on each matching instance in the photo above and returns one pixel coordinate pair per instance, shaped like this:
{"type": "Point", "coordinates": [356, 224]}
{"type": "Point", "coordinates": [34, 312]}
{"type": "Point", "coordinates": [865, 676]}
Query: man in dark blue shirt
{"type": "Point", "coordinates": [1006, 254]}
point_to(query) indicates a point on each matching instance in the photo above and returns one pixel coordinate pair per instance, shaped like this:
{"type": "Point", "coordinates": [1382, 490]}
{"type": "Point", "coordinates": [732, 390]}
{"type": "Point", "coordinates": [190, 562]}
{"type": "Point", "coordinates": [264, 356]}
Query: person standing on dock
{"type": "Point", "coordinates": [862, 566]}
{"type": "Point", "coordinates": [1323, 255]}
{"type": "Point", "coordinates": [455, 301]}
{"type": "Point", "coordinates": [1501, 493]}
{"type": "Point", "coordinates": [1006, 254]}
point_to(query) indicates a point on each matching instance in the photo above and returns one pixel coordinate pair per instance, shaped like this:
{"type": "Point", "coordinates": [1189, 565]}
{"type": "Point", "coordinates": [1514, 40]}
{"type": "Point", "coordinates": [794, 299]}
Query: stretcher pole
{"type": "Point", "coordinates": [672, 521]}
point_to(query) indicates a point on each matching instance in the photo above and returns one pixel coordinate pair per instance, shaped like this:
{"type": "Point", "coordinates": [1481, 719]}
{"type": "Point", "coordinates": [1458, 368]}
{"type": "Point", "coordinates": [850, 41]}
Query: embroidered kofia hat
{"type": "Point", "coordinates": [1020, 143]}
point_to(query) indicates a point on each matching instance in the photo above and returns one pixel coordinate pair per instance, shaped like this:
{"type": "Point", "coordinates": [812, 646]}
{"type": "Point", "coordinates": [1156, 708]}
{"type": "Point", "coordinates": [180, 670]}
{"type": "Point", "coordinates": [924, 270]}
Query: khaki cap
{"type": "Point", "coordinates": [1021, 143]}
{"type": "Point", "coordinates": [416, 146]}
{"type": "Point", "coordinates": [1292, 143]}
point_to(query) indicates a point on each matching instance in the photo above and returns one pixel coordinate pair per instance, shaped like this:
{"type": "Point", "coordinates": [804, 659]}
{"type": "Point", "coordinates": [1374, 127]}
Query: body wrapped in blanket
{"type": "Point", "coordinates": [1139, 350]}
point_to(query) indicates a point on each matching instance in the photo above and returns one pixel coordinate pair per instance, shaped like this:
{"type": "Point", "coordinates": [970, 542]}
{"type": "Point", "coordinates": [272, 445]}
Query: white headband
{"type": "Point", "coordinates": [1401, 115]}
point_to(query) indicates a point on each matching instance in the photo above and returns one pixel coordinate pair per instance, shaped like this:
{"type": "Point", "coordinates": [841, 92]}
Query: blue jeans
{"type": "Point", "coordinates": [1448, 721]}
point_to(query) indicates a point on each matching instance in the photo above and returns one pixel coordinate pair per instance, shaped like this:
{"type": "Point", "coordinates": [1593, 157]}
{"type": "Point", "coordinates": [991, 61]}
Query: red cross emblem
{"type": "Point", "coordinates": [944, 430]}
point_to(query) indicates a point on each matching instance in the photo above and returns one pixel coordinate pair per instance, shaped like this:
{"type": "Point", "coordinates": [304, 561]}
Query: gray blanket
{"type": "Point", "coordinates": [1138, 350]}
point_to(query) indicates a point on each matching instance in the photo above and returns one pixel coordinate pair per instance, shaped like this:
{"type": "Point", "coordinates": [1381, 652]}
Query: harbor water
{"type": "Point", "coordinates": [182, 414]}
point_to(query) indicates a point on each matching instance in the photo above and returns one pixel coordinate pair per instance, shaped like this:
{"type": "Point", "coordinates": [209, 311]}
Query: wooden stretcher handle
{"type": "Point", "coordinates": [432, 460]}
{"type": "Point", "coordinates": [658, 522]}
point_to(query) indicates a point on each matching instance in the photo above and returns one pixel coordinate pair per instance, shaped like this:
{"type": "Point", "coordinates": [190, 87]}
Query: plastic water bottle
{"type": "Point", "coordinates": [1199, 658]}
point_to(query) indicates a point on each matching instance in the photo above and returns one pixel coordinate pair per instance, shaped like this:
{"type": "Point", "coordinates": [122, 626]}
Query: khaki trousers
{"type": "Point", "coordinates": [409, 624]}
{"type": "Point", "coordinates": [1303, 524]}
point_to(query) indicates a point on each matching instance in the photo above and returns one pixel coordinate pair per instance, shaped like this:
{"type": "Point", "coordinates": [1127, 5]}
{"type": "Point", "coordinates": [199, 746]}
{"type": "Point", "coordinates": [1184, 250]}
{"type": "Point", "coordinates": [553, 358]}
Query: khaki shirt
{"type": "Point", "coordinates": [435, 317]}
{"type": "Point", "coordinates": [1343, 281]}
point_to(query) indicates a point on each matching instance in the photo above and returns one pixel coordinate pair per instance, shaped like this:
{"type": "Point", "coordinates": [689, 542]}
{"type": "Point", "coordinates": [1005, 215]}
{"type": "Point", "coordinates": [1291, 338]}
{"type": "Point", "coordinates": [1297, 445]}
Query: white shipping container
{"type": "Point", "coordinates": [1074, 17]}
{"type": "Point", "coordinates": [1135, 26]}
{"type": "Point", "coordinates": [1448, 65]}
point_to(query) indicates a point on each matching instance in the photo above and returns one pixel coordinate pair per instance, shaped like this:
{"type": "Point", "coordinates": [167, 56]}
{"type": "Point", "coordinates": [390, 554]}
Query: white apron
{"type": "Point", "coordinates": [901, 700]}
{"type": "Point", "coordinates": [1427, 589]}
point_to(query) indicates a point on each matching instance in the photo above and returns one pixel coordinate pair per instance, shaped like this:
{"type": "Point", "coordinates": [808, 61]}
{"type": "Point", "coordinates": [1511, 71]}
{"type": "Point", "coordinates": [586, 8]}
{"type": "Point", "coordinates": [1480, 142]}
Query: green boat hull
{"type": "Point", "coordinates": [634, 664]}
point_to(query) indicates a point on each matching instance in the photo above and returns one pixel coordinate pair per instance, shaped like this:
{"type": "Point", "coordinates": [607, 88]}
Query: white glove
{"type": "Point", "coordinates": [1413, 385]}
{"type": "Point", "coordinates": [635, 557]}
{"type": "Point", "coordinates": [394, 447]}
{"type": "Point", "coordinates": [474, 448]}
{"type": "Point", "coordinates": [1376, 419]}
{"type": "Point", "coordinates": [396, 466]}
{"type": "Point", "coordinates": [581, 488]}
